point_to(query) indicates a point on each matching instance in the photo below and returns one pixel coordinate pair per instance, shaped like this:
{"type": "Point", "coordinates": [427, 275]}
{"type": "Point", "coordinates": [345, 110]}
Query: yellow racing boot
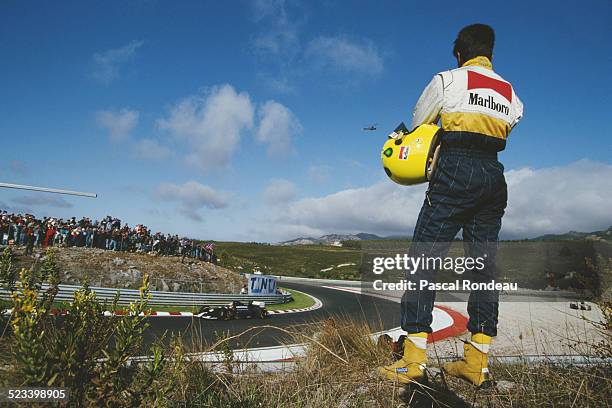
{"type": "Point", "coordinates": [411, 367]}
{"type": "Point", "coordinates": [474, 367]}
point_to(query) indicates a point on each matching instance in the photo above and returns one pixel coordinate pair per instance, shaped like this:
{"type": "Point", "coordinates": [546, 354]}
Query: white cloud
{"type": "Point", "coordinates": [277, 127]}
{"type": "Point", "coordinates": [278, 82]}
{"type": "Point", "coordinates": [192, 197]}
{"type": "Point", "coordinates": [119, 124]}
{"type": "Point", "coordinates": [280, 35]}
{"type": "Point", "coordinates": [276, 42]}
{"type": "Point", "coordinates": [346, 56]}
{"type": "Point", "coordinates": [211, 125]}
{"type": "Point", "coordinates": [319, 173]}
{"type": "Point", "coordinates": [279, 192]}
{"type": "Point", "coordinates": [381, 208]}
{"type": "Point", "coordinates": [282, 232]}
{"type": "Point", "coordinates": [558, 199]}
{"type": "Point", "coordinates": [15, 209]}
{"type": "Point", "coordinates": [151, 149]}
{"type": "Point", "coordinates": [107, 64]}
{"type": "Point", "coordinates": [44, 200]}
{"type": "Point", "coordinates": [268, 8]}
{"type": "Point", "coordinates": [549, 200]}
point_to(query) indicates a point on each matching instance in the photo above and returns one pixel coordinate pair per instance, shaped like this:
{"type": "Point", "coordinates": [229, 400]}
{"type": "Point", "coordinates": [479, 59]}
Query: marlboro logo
{"type": "Point", "coordinates": [403, 153]}
{"type": "Point", "coordinates": [476, 81]}
{"type": "Point", "coordinates": [488, 102]}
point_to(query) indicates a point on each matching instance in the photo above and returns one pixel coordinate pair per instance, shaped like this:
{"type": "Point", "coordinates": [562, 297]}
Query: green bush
{"type": "Point", "coordinates": [86, 352]}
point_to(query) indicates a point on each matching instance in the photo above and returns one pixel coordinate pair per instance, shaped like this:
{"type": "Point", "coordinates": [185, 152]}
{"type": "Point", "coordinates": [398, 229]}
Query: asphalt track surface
{"type": "Point", "coordinates": [196, 333]}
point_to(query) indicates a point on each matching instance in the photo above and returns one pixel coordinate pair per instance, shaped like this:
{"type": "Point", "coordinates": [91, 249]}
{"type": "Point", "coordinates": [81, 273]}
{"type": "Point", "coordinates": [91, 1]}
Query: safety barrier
{"type": "Point", "coordinates": [159, 298]}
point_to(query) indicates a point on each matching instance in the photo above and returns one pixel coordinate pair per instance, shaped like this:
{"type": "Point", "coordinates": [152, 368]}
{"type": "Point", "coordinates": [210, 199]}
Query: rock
{"type": "Point", "coordinates": [118, 261]}
{"type": "Point", "coordinates": [176, 287]}
{"type": "Point", "coordinates": [136, 275]}
{"type": "Point", "coordinates": [504, 385]}
{"type": "Point", "coordinates": [119, 277]}
{"type": "Point", "coordinates": [164, 286]}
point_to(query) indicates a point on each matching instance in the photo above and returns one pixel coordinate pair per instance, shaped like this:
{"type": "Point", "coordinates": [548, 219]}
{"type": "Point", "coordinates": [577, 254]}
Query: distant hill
{"type": "Point", "coordinates": [331, 239]}
{"type": "Point", "coordinates": [300, 241]}
{"type": "Point", "coordinates": [605, 235]}
{"type": "Point", "coordinates": [367, 237]}
{"type": "Point", "coordinates": [335, 239]}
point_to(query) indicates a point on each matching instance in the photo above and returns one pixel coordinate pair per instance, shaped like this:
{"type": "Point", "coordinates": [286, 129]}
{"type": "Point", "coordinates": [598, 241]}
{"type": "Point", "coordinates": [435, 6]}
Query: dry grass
{"type": "Point", "coordinates": [337, 371]}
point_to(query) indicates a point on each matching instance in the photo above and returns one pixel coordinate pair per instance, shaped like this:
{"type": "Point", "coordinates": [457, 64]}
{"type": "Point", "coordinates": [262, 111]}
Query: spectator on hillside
{"type": "Point", "coordinates": [107, 234]}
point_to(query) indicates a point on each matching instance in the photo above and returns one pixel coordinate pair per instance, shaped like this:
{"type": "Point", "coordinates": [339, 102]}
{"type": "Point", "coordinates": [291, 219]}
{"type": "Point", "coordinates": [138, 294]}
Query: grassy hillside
{"type": "Point", "coordinates": [303, 260]}
{"type": "Point", "coordinates": [532, 264]}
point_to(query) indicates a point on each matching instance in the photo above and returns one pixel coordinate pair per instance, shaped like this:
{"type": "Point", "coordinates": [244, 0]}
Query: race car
{"type": "Point", "coordinates": [580, 306]}
{"type": "Point", "coordinates": [235, 310]}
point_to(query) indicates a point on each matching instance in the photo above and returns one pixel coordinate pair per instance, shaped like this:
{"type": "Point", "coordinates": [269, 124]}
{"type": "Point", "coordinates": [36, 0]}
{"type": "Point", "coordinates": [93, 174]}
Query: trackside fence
{"type": "Point", "coordinates": [159, 298]}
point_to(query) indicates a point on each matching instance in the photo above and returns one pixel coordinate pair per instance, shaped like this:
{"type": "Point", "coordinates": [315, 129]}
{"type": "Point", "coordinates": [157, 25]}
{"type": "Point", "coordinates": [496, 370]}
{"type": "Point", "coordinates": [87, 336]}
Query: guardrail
{"type": "Point", "coordinates": [159, 298]}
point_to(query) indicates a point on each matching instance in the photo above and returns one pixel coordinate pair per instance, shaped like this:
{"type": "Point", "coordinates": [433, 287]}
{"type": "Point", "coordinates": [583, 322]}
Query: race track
{"type": "Point", "coordinates": [381, 314]}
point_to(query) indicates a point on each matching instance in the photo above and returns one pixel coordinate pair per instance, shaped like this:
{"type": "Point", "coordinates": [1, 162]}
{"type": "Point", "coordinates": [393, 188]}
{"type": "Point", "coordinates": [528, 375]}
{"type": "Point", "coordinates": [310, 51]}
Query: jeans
{"type": "Point", "coordinates": [467, 192]}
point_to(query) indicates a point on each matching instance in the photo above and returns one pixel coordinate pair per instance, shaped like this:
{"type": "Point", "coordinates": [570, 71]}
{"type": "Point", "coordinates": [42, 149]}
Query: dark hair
{"type": "Point", "coordinates": [473, 41]}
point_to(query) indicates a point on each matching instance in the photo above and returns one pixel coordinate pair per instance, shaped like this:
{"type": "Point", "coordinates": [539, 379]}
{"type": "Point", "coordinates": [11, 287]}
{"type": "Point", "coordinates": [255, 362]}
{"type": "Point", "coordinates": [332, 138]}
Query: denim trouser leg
{"type": "Point", "coordinates": [467, 192]}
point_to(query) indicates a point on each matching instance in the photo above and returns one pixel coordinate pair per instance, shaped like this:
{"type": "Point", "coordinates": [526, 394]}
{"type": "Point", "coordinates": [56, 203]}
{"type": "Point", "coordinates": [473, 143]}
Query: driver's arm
{"type": "Point", "coordinates": [427, 109]}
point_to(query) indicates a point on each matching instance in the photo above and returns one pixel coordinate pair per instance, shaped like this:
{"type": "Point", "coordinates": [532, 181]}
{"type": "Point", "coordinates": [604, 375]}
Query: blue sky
{"type": "Point", "coordinates": [242, 120]}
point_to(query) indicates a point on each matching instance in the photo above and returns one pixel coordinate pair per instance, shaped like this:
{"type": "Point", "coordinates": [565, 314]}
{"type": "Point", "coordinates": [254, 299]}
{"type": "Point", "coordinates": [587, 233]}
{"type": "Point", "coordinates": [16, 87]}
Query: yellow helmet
{"type": "Point", "coordinates": [408, 159]}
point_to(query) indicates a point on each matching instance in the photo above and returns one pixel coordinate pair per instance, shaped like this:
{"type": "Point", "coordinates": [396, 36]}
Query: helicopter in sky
{"type": "Point", "coordinates": [370, 128]}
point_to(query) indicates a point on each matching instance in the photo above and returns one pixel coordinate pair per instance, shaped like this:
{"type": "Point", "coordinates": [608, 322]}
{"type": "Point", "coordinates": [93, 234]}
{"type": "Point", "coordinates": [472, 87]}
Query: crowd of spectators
{"type": "Point", "coordinates": [109, 234]}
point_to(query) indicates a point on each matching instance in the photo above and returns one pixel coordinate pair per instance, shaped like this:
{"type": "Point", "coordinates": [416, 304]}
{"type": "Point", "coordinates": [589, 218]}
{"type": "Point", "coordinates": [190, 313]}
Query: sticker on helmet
{"type": "Point", "coordinates": [403, 153]}
{"type": "Point", "coordinates": [388, 152]}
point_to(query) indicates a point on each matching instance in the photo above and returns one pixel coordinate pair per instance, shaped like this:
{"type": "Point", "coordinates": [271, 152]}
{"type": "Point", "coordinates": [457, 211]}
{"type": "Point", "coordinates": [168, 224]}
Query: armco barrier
{"type": "Point", "coordinates": [159, 298]}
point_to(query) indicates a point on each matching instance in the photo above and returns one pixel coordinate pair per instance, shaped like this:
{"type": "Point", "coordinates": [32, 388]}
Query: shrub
{"type": "Point", "coordinates": [85, 351]}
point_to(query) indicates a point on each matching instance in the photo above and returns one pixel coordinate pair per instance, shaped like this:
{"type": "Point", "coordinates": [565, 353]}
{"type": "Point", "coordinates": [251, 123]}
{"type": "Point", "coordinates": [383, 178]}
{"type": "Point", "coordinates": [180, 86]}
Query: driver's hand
{"type": "Point", "coordinates": [394, 135]}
